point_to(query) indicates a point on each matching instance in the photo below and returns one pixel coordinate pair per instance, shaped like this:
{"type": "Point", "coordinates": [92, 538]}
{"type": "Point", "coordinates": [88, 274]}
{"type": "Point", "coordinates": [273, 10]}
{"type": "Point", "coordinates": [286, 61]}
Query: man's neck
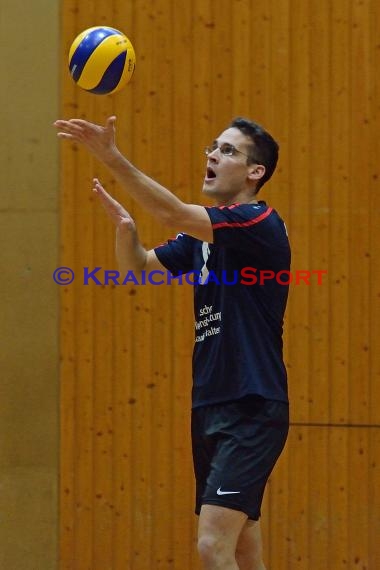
{"type": "Point", "coordinates": [236, 200]}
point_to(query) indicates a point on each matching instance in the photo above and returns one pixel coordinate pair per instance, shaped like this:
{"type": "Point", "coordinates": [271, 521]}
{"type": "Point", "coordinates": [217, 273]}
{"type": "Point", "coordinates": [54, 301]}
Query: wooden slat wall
{"type": "Point", "coordinates": [308, 71]}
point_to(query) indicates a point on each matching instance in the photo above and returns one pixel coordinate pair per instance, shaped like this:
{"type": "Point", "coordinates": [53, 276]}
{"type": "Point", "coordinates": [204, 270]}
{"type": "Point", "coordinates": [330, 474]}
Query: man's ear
{"type": "Point", "coordinates": [256, 172]}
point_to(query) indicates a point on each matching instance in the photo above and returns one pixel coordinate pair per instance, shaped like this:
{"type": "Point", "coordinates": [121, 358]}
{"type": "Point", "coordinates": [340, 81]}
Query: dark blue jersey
{"type": "Point", "coordinates": [239, 302]}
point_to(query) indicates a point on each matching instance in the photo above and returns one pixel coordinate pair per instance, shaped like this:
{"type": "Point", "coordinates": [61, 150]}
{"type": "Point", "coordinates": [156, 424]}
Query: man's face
{"type": "Point", "coordinates": [227, 176]}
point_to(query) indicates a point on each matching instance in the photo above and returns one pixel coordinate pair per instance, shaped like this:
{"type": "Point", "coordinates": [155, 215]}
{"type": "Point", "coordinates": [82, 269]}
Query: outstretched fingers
{"type": "Point", "coordinates": [98, 187]}
{"type": "Point", "coordinates": [110, 123]}
{"type": "Point", "coordinates": [81, 125]}
{"type": "Point", "coordinates": [99, 140]}
{"type": "Point", "coordinates": [69, 129]}
{"type": "Point", "coordinates": [103, 194]}
{"type": "Point", "coordinates": [116, 211]}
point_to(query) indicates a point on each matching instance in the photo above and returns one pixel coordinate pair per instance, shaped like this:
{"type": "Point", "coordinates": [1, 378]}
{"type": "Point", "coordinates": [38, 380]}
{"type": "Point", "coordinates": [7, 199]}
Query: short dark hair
{"type": "Point", "coordinates": [264, 150]}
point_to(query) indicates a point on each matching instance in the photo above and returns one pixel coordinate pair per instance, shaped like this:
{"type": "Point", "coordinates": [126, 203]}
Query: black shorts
{"type": "Point", "coordinates": [235, 447]}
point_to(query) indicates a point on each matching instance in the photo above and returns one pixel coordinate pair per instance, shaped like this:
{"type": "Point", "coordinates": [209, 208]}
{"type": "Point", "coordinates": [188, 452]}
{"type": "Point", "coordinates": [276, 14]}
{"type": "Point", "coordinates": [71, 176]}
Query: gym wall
{"type": "Point", "coordinates": [29, 232]}
{"type": "Point", "coordinates": [308, 71]}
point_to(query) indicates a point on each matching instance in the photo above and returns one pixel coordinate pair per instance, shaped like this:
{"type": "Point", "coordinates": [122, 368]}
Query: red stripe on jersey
{"type": "Point", "coordinates": [243, 224]}
{"type": "Point", "coordinates": [228, 207]}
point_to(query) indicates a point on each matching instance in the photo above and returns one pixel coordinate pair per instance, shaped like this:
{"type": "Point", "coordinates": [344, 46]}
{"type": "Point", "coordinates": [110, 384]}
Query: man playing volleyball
{"type": "Point", "coordinates": [240, 412]}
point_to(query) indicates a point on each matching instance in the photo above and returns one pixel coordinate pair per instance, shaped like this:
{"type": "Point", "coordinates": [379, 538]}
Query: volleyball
{"type": "Point", "coordinates": [101, 60]}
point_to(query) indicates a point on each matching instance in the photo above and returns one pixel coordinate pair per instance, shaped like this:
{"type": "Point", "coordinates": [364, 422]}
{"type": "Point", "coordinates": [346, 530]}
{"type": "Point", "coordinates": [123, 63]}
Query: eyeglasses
{"type": "Point", "coordinates": [226, 149]}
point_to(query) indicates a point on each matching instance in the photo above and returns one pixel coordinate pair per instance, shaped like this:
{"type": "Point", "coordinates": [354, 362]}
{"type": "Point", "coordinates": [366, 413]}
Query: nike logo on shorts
{"type": "Point", "coordinates": [220, 492]}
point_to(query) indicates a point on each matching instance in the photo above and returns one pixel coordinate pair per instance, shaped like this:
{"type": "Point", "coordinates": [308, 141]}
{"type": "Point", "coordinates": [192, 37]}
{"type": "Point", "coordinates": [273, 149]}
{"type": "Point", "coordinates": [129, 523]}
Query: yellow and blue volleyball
{"type": "Point", "coordinates": [101, 60]}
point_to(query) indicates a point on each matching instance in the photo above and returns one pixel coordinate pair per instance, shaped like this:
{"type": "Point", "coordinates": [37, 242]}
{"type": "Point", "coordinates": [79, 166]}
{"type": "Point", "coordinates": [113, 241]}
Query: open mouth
{"type": "Point", "coordinates": [210, 174]}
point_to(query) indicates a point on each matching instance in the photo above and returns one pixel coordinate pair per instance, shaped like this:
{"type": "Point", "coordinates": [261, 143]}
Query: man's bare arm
{"type": "Point", "coordinates": [152, 196]}
{"type": "Point", "coordinates": [130, 253]}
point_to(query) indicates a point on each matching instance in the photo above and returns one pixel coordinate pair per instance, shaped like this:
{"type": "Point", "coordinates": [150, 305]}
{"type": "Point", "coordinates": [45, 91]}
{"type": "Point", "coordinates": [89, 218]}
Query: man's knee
{"type": "Point", "coordinates": [218, 532]}
{"type": "Point", "coordinates": [207, 545]}
{"type": "Point", "coordinates": [212, 549]}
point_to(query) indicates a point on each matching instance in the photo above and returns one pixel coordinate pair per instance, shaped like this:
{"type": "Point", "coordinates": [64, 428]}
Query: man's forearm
{"type": "Point", "coordinates": [130, 254]}
{"type": "Point", "coordinates": [100, 141]}
{"type": "Point", "coordinates": [153, 197]}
